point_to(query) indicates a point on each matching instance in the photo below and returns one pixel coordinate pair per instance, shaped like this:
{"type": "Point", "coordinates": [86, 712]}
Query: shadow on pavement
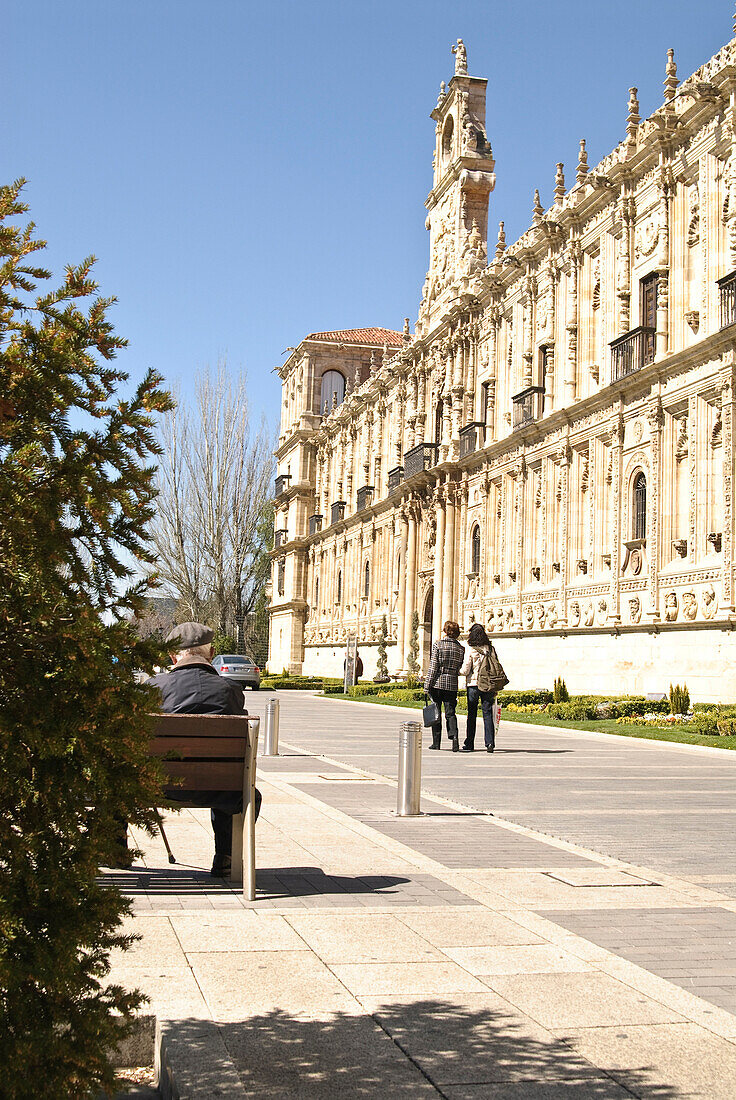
{"type": "Point", "coordinates": [402, 1046]}
{"type": "Point", "coordinates": [271, 883]}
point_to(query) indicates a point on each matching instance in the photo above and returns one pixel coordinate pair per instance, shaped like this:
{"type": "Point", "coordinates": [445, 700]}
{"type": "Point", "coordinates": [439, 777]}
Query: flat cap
{"type": "Point", "coordinates": [189, 635]}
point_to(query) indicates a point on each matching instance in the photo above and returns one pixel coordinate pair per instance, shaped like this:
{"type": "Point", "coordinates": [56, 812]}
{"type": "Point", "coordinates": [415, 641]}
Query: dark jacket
{"type": "Point", "coordinates": [193, 686]}
{"type": "Point", "coordinates": [444, 665]}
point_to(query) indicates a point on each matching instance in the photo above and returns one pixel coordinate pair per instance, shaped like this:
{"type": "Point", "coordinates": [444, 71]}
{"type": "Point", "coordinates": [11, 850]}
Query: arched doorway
{"type": "Point", "coordinates": [425, 631]}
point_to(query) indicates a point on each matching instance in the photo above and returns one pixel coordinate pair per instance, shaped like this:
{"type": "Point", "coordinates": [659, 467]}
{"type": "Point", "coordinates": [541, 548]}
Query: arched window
{"type": "Point", "coordinates": [339, 587]}
{"type": "Point", "coordinates": [447, 138]}
{"type": "Point", "coordinates": [639, 510]}
{"type": "Point", "coordinates": [475, 550]}
{"type": "Point", "coordinates": [333, 390]}
{"type": "Point", "coordinates": [438, 421]}
{"type": "Point", "coordinates": [367, 580]}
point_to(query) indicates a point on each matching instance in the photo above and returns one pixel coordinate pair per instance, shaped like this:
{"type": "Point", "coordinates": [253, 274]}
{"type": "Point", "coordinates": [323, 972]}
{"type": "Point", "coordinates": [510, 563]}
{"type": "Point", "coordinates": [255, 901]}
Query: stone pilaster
{"type": "Point", "coordinates": [401, 581]}
{"type": "Point", "coordinates": [663, 262]}
{"type": "Point", "coordinates": [655, 416]}
{"type": "Point", "coordinates": [411, 577]}
{"type": "Point", "coordinates": [448, 595]}
{"type": "Point", "coordinates": [727, 419]}
{"type": "Point", "coordinates": [439, 556]}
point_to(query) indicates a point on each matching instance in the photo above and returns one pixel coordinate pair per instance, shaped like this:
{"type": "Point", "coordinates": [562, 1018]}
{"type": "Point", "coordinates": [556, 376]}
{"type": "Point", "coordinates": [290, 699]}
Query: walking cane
{"type": "Point", "coordinates": [172, 857]}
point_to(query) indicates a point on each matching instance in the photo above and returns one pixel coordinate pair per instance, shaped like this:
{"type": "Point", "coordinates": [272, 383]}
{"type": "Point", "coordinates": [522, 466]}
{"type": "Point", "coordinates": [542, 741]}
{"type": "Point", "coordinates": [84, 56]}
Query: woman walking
{"type": "Point", "coordinates": [441, 682]}
{"type": "Point", "coordinates": [480, 671]}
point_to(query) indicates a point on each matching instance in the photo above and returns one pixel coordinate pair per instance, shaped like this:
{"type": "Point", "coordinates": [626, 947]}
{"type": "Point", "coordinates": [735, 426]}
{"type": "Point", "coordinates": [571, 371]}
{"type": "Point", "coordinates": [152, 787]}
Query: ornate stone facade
{"type": "Point", "coordinates": [550, 452]}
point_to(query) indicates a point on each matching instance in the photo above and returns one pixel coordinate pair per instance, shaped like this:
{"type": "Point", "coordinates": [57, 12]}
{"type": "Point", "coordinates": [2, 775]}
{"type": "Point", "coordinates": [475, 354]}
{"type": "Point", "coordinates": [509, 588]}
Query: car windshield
{"type": "Point", "coordinates": [231, 659]}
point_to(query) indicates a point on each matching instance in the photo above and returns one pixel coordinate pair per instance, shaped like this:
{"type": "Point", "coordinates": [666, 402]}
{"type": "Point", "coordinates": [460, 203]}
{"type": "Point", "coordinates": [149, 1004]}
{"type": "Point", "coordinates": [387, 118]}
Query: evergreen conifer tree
{"type": "Point", "coordinates": [76, 494]}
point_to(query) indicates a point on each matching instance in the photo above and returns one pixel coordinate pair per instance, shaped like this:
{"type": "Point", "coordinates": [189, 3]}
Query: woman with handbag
{"type": "Point", "coordinates": [441, 682]}
{"type": "Point", "coordinates": [484, 678]}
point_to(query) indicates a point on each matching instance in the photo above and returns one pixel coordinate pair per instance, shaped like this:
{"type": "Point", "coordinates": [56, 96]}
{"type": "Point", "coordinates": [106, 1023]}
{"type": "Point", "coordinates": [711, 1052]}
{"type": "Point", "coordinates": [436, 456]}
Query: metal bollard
{"type": "Point", "coordinates": [410, 769]}
{"type": "Point", "coordinates": [271, 737]}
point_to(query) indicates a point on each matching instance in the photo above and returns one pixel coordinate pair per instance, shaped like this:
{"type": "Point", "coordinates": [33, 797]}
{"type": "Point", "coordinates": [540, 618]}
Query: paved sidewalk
{"type": "Point", "coordinates": [458, 954]}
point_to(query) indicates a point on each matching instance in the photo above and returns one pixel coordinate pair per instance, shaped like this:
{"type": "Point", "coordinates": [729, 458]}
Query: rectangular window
{"type": "Point", "coordinates": [648, 313]}
{"type": "Point", "coordinates": [485, 401]}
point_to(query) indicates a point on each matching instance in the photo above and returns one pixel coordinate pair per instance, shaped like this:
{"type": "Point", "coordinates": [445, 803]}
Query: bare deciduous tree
{"type": "Point", "coordinates": [214, 485]}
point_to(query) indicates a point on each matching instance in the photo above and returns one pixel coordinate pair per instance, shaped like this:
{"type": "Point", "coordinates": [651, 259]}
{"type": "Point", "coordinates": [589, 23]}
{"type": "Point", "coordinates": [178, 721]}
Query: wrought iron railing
{"type": "Point", "coordinates": [631, 352]}
{"type": "Point", "coordinates": [395, 477]}
{"type": "Point", "coordinates": [528, 405]}
{"type": "Point", "coordinates": [282, 484]}
{"type": "Point", "coordinates": [338, 511]}
{"type": "Point", "coordinates": [420, 458]}
{"type": "Point", "coordinates": [472, 438]}
{"type": "Point", "coordinates": [365, 497]}
{"type": "Point", "coordinates": [315, 524]}
{"type": "Point", "coordinates": [280, 538]}
{"type": "Point", "coordinates": [727, 296]}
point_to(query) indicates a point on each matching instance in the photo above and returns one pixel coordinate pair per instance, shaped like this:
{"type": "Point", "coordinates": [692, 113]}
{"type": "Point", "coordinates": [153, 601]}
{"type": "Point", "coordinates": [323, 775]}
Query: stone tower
{"type": "Point", "coordinates": [463, 179]}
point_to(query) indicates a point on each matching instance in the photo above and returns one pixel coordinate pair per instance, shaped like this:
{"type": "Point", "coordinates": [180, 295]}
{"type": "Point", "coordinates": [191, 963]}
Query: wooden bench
{"type": "Point", "coordinates": [208, 754]}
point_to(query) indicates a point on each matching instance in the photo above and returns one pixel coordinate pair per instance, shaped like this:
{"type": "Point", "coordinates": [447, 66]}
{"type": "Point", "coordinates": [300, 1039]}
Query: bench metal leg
{"type": "Point", "coordinates": [236, 873]}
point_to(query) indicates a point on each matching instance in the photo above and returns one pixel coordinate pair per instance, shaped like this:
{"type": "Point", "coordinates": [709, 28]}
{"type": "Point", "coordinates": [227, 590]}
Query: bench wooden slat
{"type": "Point", "coordinates": [202, 747]}
{"type": "Point", "coordinates": [206, 775]}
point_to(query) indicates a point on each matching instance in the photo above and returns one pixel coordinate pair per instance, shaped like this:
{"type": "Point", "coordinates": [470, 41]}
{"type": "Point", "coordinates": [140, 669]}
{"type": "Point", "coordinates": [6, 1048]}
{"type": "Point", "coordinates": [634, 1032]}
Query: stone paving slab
{"type": "Point", "coordinates": [681, 1054]}
{"type": "Point", "coordinates": [693, 948]}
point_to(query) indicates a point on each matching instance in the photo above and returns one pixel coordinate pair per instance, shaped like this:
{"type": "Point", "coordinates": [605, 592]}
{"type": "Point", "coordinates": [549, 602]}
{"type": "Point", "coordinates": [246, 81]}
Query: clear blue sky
{"type": "Point", "coordinates": [250, 172]}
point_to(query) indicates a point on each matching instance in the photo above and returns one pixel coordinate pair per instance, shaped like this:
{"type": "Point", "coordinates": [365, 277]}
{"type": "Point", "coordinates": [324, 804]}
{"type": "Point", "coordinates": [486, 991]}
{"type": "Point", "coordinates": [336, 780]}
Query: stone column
{"type": "Point", "coordinates": [448, 582]}
{"type": "Point", "coordinates": [439, 557]}
{"type": "Point", "coordinates": [663, 264]}
{"type": "Point", "coordinates": [401, 599]}
{"type": "Point", "coordinates": [655, 417]}
{"type": "Point", "coordinates": [571, 361]}
{"type": "Point", "coordinates": [411, 578]}
{"type": "Point", "coordinates": [727, 420]}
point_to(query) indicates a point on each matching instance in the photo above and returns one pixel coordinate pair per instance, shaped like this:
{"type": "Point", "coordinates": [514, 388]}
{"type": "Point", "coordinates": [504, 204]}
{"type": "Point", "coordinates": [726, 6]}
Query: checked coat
{"type": "Point", "coordinates": [447, 657]}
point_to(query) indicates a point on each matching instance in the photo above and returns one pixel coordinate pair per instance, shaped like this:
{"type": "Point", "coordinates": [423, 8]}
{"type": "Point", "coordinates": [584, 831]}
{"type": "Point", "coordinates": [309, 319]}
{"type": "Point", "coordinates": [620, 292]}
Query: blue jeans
{"type": "Point", "coordinates": [487, 699]}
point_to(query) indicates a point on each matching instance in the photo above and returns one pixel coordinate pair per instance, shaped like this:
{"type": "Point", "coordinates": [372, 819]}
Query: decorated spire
{"type": "Point", "coordinates": [582, 169]}
{"type": "Point", "coordinates": [461, 58]}
{"type": "Point", "coordinates": [538, 209]}
{"type": "Point", "coordinates": [407, 331]}
{"type": "Point", "coordinates": [501, 242]}
{"type": "Point", "coordinates": [734, 23]}
{"type": "Point", "coordinates": [632, 119]}
{"type": "Point", "coordinates": [671, 81]}
{"type": "Point", "coordinates": [443, 93]}
{"type": "Point", "coordinates": [560, 182]}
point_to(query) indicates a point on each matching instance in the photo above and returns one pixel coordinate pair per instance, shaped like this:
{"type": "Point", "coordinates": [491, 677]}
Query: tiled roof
{"type": "Point", "coordinates": [360, 336]}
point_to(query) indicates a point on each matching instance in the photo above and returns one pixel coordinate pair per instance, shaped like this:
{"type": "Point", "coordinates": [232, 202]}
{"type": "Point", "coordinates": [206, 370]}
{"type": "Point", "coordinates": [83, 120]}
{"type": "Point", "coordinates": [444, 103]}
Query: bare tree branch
{"type": "Point", "coordinates": [214, 484]}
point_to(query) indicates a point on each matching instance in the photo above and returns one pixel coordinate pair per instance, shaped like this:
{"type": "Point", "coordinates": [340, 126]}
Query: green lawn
{"type": "Point", "coordinates": [682, 736]}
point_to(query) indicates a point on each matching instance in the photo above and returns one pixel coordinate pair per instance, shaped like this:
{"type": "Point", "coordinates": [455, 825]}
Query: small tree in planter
{"type": "Point", "coordinates": [411, 662]}
{"type": "Point", "coordinates": [679, 699]}
{"type": "Point", "coordinates": [560, 693]}
{"type": "Point", "coordinates": [382, 676]}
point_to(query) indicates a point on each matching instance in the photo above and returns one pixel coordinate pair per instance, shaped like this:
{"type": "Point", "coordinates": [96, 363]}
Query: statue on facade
{"type": "Point", "coordinates": [709, 602]}
{"type": "Point", "coordinates": [574, 613]}
{"type": "Point", "coordinates": [461, 58]}
{"type": "Point", "coordinates": [589, 614]}
{"type": "Point", "coordinates": [635, 609]}
{"type": "Point", "coordinates": [670, 606]}
{"type": "Point", "coordinates": [689, 605]}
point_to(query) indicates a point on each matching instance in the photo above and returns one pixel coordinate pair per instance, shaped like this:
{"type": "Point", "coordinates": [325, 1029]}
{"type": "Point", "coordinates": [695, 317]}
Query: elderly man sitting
{"type": "Point", "coordinates": [193, 686]}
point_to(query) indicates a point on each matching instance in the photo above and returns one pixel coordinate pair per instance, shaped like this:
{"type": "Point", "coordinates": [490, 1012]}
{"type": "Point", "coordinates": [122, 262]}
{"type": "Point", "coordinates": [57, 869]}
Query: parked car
{"type": "Point", "coordinates": [234, 666]}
